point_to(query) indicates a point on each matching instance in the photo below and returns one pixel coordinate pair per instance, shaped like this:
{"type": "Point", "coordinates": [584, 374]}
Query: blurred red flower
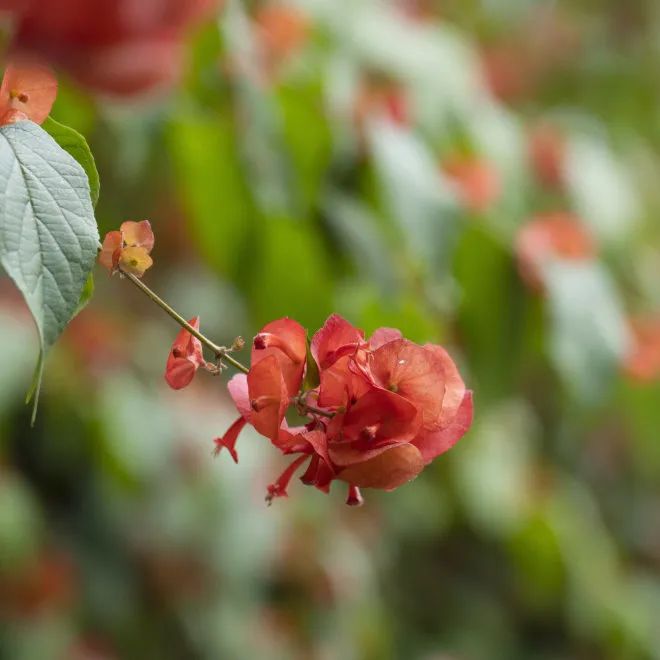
{"type": "Point", "coordinates": [118, 47]}
{"type": "Point", "coordinates": [476, 180]}
{"type": "Point", "coordinates": [558, 235]}
{"type": "Point", "coordinates": [643, 361]}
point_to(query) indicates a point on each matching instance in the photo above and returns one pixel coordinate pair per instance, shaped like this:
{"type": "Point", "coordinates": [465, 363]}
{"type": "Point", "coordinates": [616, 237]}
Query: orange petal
{"type": "Point", "coordinates": [138, 234]}
{"type": "Point", "coordinates": [111, 242]}
{"type": "Point", "coordinates": [28, 87]}
{"type": "Point", "coordinates": [135, 260]}
{"type": "Point", "coordinates": [388, 470]}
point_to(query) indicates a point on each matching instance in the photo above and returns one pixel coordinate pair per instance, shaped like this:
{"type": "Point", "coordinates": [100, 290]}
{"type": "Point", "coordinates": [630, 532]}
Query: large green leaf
{"type": "Point", "coordinates": [48, 234]}
{"type": "Point", "coordinates": [73, 142]}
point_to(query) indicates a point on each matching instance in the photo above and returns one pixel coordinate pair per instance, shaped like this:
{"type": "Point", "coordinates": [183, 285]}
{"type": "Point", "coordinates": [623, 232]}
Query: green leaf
{"type": "Point", "coordinates": [73, 142]}
{"type": "Point", "coordinates": [86, 295]}
{"type": "Point", "coordinates": [48, 234]}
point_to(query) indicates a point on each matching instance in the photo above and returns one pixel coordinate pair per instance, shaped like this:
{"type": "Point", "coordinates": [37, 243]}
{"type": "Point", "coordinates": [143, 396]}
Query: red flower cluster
{"type": "Point", "coordinates": [117, 47]}
{"type": "Point", "coordinates": [378, 410]}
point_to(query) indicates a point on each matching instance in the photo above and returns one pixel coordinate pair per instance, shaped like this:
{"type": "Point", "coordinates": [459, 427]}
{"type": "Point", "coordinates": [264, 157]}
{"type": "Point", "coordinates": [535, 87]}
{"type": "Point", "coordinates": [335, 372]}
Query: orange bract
{"type": "Point", "coordinates": [28, 91]}
{"type": "Point", "coordinates": [128, 249]}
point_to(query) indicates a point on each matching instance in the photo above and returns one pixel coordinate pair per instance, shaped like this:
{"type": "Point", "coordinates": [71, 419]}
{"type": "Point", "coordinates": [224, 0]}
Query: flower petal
{"type": "Point", "coordinates": [28, 87]}
{"type": "Point", "coordinates": [433, 443]}
{"type": "Point", "coordinates": [111, 243]}
{"type": "Point", "coordinates": [387, 471]}
{"type": "Point", "coordinates": [138, 234]}
{"type": "Point", "coordinates": [135, 260]}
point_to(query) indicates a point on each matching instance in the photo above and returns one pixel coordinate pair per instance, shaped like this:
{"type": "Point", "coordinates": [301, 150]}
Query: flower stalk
{"type": "Point", "coordinates": [221, 352]}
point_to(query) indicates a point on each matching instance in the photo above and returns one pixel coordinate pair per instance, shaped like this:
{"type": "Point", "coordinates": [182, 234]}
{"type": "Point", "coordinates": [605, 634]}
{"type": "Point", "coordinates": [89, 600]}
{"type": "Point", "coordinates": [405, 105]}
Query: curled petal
{"type": "Point", "coordinates": [185, 358]}
{"type": "Point", "coordinates": [291, 335]}
{"type": "Point", "coordinates": [135, 260]}
{"type": "Point", "coordinates": [179, 372]}
{"type": "Point", "coordinates": [138, 234]}
{"type": "Point", "coordinates": [228, 440]}
{"type": "Point", "coordinates": [278, 488]}
{"type": "Point", "coordinates": [29, 88]}
{"type": "Point", "coordinates": [388, 470]}
{"type": "Point", "coordinates": [336, 338]}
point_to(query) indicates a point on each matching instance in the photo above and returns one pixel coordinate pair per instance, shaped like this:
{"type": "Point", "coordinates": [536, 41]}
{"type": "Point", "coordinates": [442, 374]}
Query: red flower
{"type": "Point", "coordinates": [281, 30]}
{"type": "Point", "coordinates": [551, 236]}
{"type": "Point", "coordinates": [384, 409]}
{"type": "Point", "coordinates": [28, 91]}
{"type": "Point", "coordinates": [128, 249]}
{"type": "Point", "coordinates": [185, 358]}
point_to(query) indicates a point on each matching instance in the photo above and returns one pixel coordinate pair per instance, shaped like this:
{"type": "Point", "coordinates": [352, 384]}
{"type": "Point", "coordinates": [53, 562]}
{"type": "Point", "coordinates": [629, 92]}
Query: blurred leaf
{"type": "Point", "coordinates": [289, 275]}
{"type": "Point", "coordinates": [308, 138]}
{"type": "Point", "coordinates": [589, 335]}
{"type": "Point", "coordinates": [215, 193]}
{"type": "Point", "coordinates": [415, 194]}
{"type": "Point", "coordinates": [357, 232]}
{"type": "Point", "coordinates": [601, 189]}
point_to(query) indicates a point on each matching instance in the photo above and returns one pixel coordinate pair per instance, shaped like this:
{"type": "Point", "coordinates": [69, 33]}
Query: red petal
{"type": "Point", "coordinates": [415, 373]}
{"type": "Point", "coordinates": [340, 384]}
{"type": "Point", "coordinates": [336, 338]}
{"type": "Point", "coordinates": [266, 384]}
{"type": "Point", "coordinates": [433, 443]}
{"type": "Point", "coordinates": [454, 385]}
{"type": "Point", "coordinates": [387, 471]}
{"type": "Point", "coordinates": [292, 362]}
{"type": "Point", "coordinates": [179, 372]}
{"type": "Point", "coordinates": [383, 336]}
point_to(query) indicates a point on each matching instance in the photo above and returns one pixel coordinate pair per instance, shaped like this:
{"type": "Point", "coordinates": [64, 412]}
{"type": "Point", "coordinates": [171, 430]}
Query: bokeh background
{"type": "Point", "coordinates": [375, 158]}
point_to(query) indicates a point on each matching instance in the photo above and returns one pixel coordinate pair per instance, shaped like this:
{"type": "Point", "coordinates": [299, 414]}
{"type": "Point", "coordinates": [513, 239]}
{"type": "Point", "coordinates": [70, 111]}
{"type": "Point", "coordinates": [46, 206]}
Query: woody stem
{"type": "Point", "coordinates": [220, 352]}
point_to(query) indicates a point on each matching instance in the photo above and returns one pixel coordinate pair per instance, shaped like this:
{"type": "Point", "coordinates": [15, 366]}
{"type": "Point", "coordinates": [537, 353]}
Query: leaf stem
{"type": "Point", "coordinates": [220, 352]}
